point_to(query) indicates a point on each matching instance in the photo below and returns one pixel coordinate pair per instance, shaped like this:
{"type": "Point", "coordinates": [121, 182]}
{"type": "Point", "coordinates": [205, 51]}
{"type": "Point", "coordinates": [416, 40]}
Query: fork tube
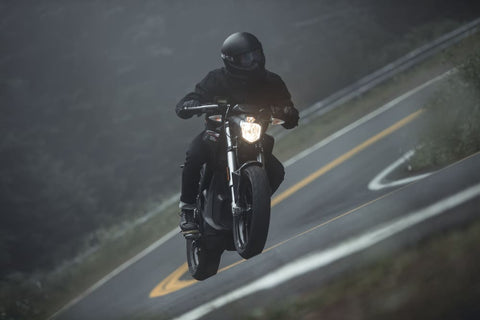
{"type": "Point", "coordinates": [231, 164]}
{"type": "Point", "coordinates": [261, 158]}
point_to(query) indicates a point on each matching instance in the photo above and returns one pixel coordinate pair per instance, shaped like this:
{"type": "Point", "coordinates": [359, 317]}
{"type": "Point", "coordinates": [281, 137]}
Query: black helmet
{"type": "Point", "coordinates": [242, 54]}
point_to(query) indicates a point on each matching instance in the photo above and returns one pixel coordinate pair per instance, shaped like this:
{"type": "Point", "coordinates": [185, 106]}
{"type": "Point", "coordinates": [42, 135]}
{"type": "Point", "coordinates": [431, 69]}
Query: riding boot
{"type": "Point", "coordinates": [187, 220]}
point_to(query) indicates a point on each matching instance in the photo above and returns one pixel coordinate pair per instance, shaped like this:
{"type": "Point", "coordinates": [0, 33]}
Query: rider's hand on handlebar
{"type": "Point", "coordinates": [191, 104]}
{"type": "Point", "coordinates": [287, 113]}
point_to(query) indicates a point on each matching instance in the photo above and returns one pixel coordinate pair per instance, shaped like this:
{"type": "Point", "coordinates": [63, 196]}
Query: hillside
{"type": "Point", "coordinates": [88, 134]}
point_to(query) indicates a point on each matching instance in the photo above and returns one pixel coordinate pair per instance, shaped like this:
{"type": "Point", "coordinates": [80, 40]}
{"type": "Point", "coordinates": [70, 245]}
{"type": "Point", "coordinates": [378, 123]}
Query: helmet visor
{"type": "Point", "coordinates": [251, 58]}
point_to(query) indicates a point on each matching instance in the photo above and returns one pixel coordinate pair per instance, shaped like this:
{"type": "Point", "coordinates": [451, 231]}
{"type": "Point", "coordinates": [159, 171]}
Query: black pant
{"type": "Point", "coordinates": [202, 150]}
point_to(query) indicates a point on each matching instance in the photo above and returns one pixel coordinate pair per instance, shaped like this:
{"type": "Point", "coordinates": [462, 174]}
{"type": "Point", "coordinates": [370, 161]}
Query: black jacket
{"type": "Point", "coordinates": [265, 91]}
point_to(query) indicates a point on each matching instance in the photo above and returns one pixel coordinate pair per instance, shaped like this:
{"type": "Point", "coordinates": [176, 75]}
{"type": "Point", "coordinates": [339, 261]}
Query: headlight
{"type": "Point", "coordinates": [251, 131]}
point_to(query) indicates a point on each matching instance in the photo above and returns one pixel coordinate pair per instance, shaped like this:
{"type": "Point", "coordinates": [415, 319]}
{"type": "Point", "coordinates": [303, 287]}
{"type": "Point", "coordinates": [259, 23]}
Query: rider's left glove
{"type": "Point", "coordinates": [292, 117]}
{"type": "Point", "coordinates": [287, 113]}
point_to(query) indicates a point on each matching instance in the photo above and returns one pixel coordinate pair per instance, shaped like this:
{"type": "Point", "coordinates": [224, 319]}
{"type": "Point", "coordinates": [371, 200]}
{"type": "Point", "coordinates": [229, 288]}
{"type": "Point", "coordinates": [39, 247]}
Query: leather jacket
{"type": "Point", "coordinates": [265, 91]}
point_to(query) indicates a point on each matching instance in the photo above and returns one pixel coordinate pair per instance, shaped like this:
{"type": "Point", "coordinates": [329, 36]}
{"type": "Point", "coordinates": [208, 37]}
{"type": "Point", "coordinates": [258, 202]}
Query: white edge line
{"type": "Point", "coordinates": [322, 258]}
{"type": "Point", "coordinates": [379, 182]}
{"type": "Point", "coordinates": [119, 269]}
{"type": "Point", "coordinates": [364, 119]}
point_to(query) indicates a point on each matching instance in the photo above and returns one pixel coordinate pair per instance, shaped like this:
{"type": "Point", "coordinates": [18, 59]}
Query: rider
{"type": "Point", "coordinates": [244, 79]}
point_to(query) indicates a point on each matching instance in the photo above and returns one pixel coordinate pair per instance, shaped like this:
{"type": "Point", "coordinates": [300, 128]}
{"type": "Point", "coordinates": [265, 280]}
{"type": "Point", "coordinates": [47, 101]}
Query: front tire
{"type": "Point", "coordinates": [250, 229]}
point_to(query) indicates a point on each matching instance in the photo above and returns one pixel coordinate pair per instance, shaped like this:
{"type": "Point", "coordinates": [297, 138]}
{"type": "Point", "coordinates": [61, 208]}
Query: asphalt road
{"type": "Point", "coordinates": [324, 208]}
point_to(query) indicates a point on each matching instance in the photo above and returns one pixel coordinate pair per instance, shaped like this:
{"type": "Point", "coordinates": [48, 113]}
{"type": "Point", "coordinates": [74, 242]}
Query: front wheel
{"type": "Point", "coordinates": [250, 228]}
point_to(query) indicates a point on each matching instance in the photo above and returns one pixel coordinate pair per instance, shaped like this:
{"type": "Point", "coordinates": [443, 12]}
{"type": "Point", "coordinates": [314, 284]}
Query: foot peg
{"type": "Point", "coordinates": [191, 234]}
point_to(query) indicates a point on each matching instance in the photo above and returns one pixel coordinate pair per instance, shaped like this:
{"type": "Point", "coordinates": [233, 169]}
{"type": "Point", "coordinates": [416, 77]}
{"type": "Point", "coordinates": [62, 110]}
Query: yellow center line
{"type": "Point", "coordinates": [173, 283]}
{"type": "Point", "coordinates": [309, 179]}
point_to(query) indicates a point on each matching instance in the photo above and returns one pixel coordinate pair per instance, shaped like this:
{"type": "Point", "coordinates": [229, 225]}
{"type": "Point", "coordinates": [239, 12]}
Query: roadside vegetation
{"type": "Point", "coordinates": [452, 123]}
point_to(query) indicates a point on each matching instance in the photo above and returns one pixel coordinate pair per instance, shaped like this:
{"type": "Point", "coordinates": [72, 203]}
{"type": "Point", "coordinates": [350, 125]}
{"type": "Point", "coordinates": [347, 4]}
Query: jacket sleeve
{"type": "Point", "coordinates": [203, 94]}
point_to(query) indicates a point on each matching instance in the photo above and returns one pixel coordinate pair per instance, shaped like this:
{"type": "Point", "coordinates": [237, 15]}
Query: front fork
{"type": "Point", "coordinates": [232, 167]}
{"type": "Point", "coordinates": [233, 175]}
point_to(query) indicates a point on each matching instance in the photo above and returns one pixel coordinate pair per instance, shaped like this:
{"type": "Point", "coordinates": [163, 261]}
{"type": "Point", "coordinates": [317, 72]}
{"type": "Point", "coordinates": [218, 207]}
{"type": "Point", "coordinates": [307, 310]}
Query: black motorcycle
{"type": "Point", "coordinates": [233, 202]}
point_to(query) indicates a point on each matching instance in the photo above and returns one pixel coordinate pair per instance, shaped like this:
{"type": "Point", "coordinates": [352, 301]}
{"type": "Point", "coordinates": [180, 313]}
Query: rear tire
{"type": "Point", "coordinates": [203, 256]}
{"type": "Point", "coordinates": [250, 229]}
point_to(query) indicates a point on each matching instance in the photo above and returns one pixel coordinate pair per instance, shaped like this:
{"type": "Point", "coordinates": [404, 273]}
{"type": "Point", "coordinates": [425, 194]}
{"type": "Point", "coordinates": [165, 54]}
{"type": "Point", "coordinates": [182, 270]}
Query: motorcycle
{"type": "Point", "coordinates": [233, 202]}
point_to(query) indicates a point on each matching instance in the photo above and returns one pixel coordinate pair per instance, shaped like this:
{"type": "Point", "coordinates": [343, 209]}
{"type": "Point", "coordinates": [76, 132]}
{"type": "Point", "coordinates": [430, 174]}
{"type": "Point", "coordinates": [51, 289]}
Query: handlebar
{"type": "Point", "coordinates": [204, 107]}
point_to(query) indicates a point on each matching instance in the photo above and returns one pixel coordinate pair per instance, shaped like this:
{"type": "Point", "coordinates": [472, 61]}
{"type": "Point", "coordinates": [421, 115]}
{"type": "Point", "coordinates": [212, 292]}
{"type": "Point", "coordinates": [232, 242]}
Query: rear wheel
{"type": "Point", "coordinates": [203, 256]}
{"type": "Point", "coordinates": [250, 228]}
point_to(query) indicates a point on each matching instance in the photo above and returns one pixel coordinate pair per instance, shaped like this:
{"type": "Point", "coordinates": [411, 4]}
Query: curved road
{"type": "Point", "coordinates": [325, 218]}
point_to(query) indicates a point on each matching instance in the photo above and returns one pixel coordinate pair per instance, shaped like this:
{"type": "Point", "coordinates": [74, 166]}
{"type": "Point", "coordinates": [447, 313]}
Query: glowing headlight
{"type": "Point", "coordinates": [251, 131]}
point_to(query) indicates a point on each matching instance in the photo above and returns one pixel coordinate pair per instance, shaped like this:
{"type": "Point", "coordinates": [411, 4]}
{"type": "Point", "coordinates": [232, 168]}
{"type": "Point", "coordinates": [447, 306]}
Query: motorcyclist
{"type": "Point", "coordinates": [244, 79]}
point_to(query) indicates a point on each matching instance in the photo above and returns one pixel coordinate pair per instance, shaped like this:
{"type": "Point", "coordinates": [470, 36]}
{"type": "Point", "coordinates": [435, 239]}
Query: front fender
{"type": "Point", "coordinates": [250, 163]}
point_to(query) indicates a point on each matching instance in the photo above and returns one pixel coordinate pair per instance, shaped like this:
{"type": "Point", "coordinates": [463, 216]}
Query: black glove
{"type": "Point", "coordinates": [184, 113]}
{"type": "Point", "coordinates": [289, 114]}
{"type": "Point", "coordinates": [291, 117]}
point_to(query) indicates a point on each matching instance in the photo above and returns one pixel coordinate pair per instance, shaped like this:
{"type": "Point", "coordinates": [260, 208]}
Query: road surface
{"type": "Point", "coordinates": [326, 217]}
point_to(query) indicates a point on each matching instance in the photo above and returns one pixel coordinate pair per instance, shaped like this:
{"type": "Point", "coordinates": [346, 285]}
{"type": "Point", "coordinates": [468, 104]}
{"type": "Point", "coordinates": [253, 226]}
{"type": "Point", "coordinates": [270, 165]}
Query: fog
{"type": "Point", "coordinates": [89, 135]}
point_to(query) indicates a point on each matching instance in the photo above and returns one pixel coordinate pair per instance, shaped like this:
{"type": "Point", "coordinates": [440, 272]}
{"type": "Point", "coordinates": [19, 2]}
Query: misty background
{"type": "Point", "coordinates": [88, 134]}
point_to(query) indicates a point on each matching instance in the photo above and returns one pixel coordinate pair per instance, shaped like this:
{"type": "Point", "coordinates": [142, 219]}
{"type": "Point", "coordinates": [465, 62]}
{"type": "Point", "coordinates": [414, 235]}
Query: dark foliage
{"type": "Point", "coordinates": [452, 131]}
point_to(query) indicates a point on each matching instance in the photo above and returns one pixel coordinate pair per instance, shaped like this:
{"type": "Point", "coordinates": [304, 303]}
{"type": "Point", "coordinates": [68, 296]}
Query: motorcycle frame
{"type": "Point", "coordinates": [234, 173]}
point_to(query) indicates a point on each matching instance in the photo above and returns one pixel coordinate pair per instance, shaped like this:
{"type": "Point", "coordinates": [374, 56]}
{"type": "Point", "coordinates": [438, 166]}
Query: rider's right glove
{"type": "Point", "coordinates": [185, 113]}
